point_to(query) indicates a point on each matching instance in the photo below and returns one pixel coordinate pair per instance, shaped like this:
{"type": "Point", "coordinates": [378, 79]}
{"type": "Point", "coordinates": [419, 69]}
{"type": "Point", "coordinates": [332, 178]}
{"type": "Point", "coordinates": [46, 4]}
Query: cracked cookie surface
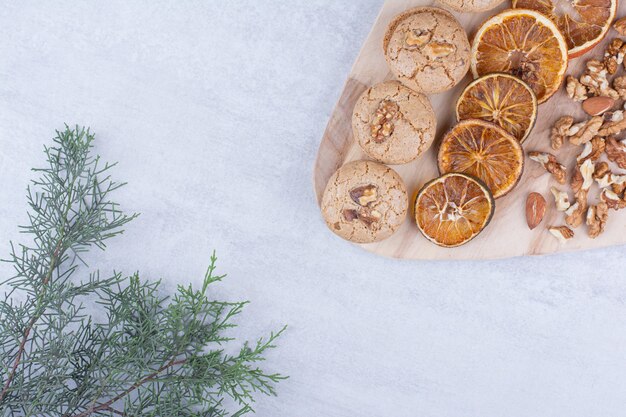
{"type": "Point", "coordinates": [392, 123]}
{"type": "Point", "coordinates": [427, 49]}
{"type": "Point", "coordinates": [471, 6]}
{"type": "Point", "coordinates": [364, 202]}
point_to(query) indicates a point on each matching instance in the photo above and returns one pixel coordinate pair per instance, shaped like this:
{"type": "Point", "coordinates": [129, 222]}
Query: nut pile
{"type": "Point", "coordinates": [602, 154]}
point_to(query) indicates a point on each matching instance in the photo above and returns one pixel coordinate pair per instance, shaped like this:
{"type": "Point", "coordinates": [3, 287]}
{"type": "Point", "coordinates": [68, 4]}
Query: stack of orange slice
{"type": "Point", "coordinates": [519, 58]}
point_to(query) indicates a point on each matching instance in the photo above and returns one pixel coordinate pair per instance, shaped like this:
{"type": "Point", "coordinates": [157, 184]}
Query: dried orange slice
{"type": "Point", "coordinates": [453, 209]}
{"type": "Point", "coordinates": [524, 43]}
{"type": "Point", "coordinates": [501, 99]}
{"type": "Point", "coordinates": [485, 151]}
{"type": "Point", "coordinates": [583, 23]}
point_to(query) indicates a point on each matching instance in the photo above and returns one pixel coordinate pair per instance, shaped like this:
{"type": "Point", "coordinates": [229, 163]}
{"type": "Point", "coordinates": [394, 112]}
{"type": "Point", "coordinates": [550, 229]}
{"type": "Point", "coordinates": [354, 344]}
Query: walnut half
{"type": "Point", "coordinates": [417, 37]}
{"type": "Point", "coordinates": [615, 124]}
{"type": "Point", "coordinates": [592, 150]}
{"type": "Point", "coordinates": [561, 199]}
{"type": "Point", "coordinates": [612, 200]}
{"type": "Point", "coordinates": [620, 26]}
{"type": "Point", "coordinates": [575, 214]}
{"type": "Point", "coordinates": [435, 50]}
{"type": "Point", "coordinates": [364, 195]}
{"type": "Point", "coordinates": [368, 216]}
{"type": "Point", "coordinates": [595, 79]}
{"type": "Point", "coordinates": [382, 124]}
{"type": "Point", "coordinates": [562, 233]}
{"type": "Point", "coordinates": [614, 55]}
{"type": "Point", "coordinates": [575, 90]}
{"type": "Point", "coordinates": [550, 164]}
{"type": "Point", "coordinates": [559, 131]}
{"type": "Point", "coordinates": [596, 219]}
{"type": "Point", "coordinates": [616, 151]}
{"type": "Point", "coordinates": [585, 131]}
{"type": "Point", "coordinates": [587, 169]}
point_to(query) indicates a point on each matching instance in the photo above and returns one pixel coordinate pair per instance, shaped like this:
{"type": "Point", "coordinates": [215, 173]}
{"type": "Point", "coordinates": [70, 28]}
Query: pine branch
{"type": "Point", "coordinates": [70, 159]}
{"type": "Point", "coordinates": [107, 405]}
{"type": "Point", "coordinates": [29, 327]}
{"type": "Point", "coordinates": [149, 355]}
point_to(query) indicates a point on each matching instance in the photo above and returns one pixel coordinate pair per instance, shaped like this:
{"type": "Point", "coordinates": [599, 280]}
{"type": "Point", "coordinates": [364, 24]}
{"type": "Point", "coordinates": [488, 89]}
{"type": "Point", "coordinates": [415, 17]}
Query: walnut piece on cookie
{"type": "Point", "coordinates": [471, 6]}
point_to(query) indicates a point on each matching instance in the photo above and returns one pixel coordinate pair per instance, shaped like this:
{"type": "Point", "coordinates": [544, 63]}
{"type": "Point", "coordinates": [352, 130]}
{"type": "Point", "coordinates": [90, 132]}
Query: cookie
{"type": "Point", "coordinates": [364, 202]}
{"type": "Point", "coordinates": [471, 6]}
{"type": "Point", "coordinates": [427, 49]}
{"type": "Point", "coordinates": [392, 123]}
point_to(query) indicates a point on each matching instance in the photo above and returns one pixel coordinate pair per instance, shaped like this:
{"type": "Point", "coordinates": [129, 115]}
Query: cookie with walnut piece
{"type": "Point", "coordinates": [427, 49]}
{"type": "Point", "coordinates": [471, 6]}
{"type": "Point", "coordinates": [364, 202]}
{"type": "Point", "coordinates": [392, 123]}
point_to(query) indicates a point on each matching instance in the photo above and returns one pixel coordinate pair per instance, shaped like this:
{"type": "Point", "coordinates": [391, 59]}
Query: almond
{"type": "Point", "coordinates": [595, 106]}
{"type": "Point", "coordinates": [535, 209]}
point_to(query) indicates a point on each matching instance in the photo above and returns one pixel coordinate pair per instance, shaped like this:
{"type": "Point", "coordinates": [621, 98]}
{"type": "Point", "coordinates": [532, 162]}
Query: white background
{"type": "Point", "coordinates": [215, 110]}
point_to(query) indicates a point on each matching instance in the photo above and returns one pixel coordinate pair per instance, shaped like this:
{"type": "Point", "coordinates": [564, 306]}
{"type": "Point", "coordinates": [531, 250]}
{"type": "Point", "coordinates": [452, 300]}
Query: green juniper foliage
{"type": "Point", "coordinates": [145, 354]}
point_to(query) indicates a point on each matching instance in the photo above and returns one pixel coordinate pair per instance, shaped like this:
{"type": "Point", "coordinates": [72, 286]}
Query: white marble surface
{"type": "Point", "coordinates": [215, 110]}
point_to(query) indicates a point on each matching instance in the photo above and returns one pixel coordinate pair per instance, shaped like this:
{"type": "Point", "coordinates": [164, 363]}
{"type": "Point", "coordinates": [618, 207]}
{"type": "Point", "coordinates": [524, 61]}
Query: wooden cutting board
{"type": "Point", "coordinates": [507, 235]}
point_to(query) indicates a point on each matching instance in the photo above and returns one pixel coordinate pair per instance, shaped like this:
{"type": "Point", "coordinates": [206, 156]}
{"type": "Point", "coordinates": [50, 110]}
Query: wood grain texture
{"type": "Point", "coordinates": [507, 235]}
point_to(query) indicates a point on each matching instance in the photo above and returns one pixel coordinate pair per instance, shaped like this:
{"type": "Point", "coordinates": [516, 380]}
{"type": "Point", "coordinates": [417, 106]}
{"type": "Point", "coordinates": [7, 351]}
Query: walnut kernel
{"type": "Point", "coordinates": [592, 150]}
{"type": "Point", "coordinates": [437, 50]}
{"type": "Point", "coordinates": [596, 219]}
{"type": "Point", "coordinates": [619, 84]}
{"type": "Point", "coordinates": [559, 131]}
{"type": "Point", "coordinates": [575, 214]}
{"type": "Point", "coordinates": [369, 216]}
{"type": "Point", "coordinates": [587, 169]}
{"type": "Point", "coordinates": [600, 170]}
{"type": "Point", "coordinates": [550, 164]}
{"type": "Point", "coordinates": [610, 179]}
{"type": "Point", "coordinates": [382, 124]}
{"type": "Point", "coordinates": [364, 195]}
{"type": "Point", "coordinates": [417, 37]}
{"type": "Point", "coordinates": [616, 151]}
{"type": "Point", "coordinates": [561, 199]}
{"type": "Point", "coordinates": [612, 200]}
{"type": "Point", "coordinates": [575, 90]}
{"type": "Point", "coordinates": [620, 26]}
{"type": "Point", "coordinates": [562, 233]}
{"type": "Point", "coordinates": [585, 131]}
{"type": "Point", "coordinates": [595, 79]}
